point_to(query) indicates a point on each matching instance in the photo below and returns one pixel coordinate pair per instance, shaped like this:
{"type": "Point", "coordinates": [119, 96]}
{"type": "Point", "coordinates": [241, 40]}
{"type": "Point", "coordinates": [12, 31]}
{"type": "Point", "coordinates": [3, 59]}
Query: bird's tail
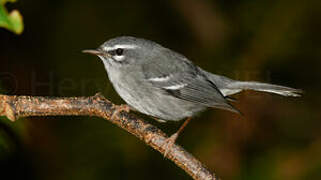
{"type": "Point", "coordinates": [238, 86]}
{"type": "Point", "coordinates": [229, 87]}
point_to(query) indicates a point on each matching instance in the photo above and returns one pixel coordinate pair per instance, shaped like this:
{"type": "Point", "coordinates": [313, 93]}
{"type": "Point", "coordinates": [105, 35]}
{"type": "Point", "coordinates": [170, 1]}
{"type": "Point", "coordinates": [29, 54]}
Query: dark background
{"type": "Point", "coordinates": [270, 41]}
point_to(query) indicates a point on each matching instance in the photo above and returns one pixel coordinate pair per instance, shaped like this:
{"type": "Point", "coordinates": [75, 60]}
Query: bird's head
{"type": "Point", "coordinates": [125, 51]}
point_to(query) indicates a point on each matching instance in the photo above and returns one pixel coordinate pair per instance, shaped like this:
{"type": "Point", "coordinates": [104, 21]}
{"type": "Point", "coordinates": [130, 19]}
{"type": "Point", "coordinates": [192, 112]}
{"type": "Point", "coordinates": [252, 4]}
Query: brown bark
{"type": "Point", "coordinates": [14, 107]}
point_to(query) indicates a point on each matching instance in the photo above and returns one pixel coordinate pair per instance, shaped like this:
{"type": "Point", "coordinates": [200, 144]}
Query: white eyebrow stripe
{"type": "Point", "coordinates": [121, 46]}
{"type": "Point", "coordinates": [160, 79]}
{"type": "Point", "coordinates": [175, 87]}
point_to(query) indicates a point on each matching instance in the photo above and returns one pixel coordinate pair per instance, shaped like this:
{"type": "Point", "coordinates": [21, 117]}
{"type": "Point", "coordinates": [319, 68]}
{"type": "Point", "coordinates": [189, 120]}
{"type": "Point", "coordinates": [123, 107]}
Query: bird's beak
{"type": "Point", "coordinates": [94, 52]}
{"type": "Point", "coordinates": [97, 52]}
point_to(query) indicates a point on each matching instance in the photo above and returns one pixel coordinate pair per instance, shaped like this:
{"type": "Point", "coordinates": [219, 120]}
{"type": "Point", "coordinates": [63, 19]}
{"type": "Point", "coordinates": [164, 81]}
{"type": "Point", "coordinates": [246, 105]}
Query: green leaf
{"type": "Point", "coordinates": [11, 21]}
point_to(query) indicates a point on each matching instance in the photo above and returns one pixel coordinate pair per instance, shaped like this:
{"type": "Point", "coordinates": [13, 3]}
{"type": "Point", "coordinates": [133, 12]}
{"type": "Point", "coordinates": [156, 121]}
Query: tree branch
{"type": "Point", "coordinates": [14, 107]}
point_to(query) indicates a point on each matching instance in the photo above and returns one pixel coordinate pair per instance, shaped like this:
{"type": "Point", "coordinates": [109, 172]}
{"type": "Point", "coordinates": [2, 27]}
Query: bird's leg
{"type": "Point", "coordinates": [159, 120]}
{"type": "Point", "coordinates": [99, 95]}
{"type": "Point", "coordinates": [119, 108]}
{"type": "Point", "coordinates": [169, 142]}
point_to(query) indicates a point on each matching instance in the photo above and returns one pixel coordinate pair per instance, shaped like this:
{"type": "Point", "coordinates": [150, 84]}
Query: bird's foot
{"type": "Point", "coordinates": [120, 108]}
{"type": "Point", "coordinates": [99, 95]}
{"type": "Point", "coordinates": [159, 120]}
{"type": "Point", "coordinates": [168, 144]}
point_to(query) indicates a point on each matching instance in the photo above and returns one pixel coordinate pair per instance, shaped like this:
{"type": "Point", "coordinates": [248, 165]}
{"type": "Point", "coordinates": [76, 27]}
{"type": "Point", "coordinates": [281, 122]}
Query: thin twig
{"type": "Point", "coordinates": [14, 107]}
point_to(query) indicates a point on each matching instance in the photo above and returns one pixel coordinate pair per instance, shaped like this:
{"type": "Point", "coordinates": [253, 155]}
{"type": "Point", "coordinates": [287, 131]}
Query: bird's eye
{"type": "Point", "coordinates": [119, 51]}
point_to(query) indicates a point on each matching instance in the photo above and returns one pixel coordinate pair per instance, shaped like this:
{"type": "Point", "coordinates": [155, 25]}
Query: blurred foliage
{"type": "Point", "coordinates": [11, 21]}
{"type": "Point", "coordinates": [270, 41]}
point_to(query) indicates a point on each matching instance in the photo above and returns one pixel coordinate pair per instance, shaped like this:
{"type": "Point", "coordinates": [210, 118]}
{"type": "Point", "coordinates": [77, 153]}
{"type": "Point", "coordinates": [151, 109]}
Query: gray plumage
{"type": "Point", "coordinates": [164, 84]}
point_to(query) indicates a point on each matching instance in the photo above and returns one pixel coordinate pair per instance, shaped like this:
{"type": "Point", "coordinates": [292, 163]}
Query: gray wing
{"type": "Point", "coordinates": [178, 77]}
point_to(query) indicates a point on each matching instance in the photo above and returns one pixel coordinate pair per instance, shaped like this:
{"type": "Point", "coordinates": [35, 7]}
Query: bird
{"type": "Point", "coordinates": [166, 85]}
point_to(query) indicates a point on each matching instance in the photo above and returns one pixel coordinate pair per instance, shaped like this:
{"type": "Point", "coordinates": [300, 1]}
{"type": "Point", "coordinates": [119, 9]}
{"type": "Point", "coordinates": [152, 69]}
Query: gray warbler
{"type": "Point", "coordinates": [164, 84]}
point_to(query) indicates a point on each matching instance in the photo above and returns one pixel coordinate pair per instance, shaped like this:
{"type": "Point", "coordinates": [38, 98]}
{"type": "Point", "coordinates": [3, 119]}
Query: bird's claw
{"type": "Point", "coordinates": [99, 95]}
{"type": "Point", "coordinates": [168, 144]}
{"type": "Point", "coordinates": [120, 108]}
